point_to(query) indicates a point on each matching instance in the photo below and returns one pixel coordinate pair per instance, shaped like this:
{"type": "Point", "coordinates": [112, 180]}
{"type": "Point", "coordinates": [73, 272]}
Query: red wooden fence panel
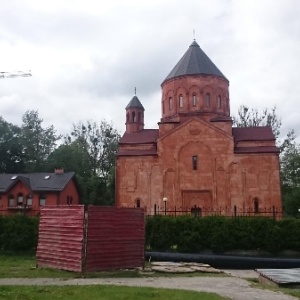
{"type": "Point", "coordinates": [115, 238]}
{"type": "Point", "coordinates": [61, 234]}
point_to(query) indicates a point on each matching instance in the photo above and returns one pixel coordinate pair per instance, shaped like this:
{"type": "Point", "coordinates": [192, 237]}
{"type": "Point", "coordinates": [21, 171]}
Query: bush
{"type": "Point", "coordinates": [18, 233]}
{"type": "Point", "coordinates": [221, 234]}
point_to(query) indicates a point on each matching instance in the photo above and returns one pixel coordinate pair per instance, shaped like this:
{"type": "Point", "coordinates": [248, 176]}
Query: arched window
{"type": "Point", "coordinates": [11, 201]}
{"type": "Point", "coordinates": [138, 203]}
{"type": "Point", "coordinates": [219, 101]}
{"type": "Point", "coordinates": [207, 100]}
{"type": "Point", "coordinates": [195, 162]}
{"type": "Point", "coordinates": [194, 102]}
{"type": "Point", "coordinates": [133, 116]}
{"type": "Point", "coordinates": [180, 101]}
{"type": "Point", "coordinates": [170, 103]}
{"type": "Point", "coordinates": [139, 117]}
{"type": "Point", "coordinates": [256, 206]}
{"type": "Point", "coordinates": [29, 200]}
{"type": "Point", "coordinates": [20, 200]}
{"type": "Point", "coordinates": [127, 117]}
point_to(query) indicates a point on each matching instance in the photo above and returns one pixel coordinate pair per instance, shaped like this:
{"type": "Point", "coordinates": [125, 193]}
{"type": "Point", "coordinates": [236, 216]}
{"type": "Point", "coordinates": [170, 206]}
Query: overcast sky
{"type": "Point", "coordinates": [86, 57]}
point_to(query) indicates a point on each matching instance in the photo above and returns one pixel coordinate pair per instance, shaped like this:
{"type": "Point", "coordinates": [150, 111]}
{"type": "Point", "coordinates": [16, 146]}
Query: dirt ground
{"type": "Point", "coordinates": [235, 286]}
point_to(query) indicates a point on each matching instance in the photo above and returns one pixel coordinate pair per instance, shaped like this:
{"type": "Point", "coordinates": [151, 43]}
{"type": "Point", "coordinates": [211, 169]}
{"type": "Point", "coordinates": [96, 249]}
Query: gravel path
{"type": "Point", "coordinates": [233, 287]}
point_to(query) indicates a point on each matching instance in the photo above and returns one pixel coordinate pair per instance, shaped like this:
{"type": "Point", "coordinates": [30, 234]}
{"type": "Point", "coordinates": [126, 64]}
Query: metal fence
{"type": "Point", "coordinates": [86, 239]}
{"type": "Point", "coordinates": [234, 211]}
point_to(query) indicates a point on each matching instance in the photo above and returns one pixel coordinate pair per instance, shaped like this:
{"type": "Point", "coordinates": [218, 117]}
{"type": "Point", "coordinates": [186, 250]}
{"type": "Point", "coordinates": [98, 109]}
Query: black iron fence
{"type": "Point", "coordinates": [234, 211]}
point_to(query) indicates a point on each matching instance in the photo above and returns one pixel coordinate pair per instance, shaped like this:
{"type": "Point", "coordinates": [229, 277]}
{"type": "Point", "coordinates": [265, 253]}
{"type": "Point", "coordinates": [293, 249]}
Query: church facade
{"type": "Point", "coordinates": [196, 157]}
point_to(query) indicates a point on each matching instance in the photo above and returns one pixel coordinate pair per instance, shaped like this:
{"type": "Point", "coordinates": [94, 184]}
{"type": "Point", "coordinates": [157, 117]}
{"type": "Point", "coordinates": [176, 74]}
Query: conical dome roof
{"type": "Point", "coordinates": [135, 102]}
{"type": "Point", "coordinates": [194, 62]}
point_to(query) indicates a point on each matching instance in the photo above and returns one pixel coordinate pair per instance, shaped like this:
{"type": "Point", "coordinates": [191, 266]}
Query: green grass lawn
{"type": "Point", "coordinates": [99, 292]}
{"type": "Point", "coordinates": [289, 291]}
{"type": "Point", "coordinates": [17, 266]}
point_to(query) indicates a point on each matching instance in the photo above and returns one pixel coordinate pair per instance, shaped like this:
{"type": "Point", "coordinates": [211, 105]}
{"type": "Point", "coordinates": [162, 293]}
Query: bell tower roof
{"type": "Point", "coordinates": [194, 62]}
{"type": "Point", "coordinates": [135, 103]}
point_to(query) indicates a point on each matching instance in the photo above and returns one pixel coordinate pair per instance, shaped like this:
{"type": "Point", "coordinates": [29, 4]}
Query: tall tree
{"type": "Point", "coordinates": [251, 117]}
{"type": "Point", "coordinates": [38, 142]}
{"type": "Point", "coordinates": [100, 141]}
{"type": "Point", "coordinates": [11, 155]}
{"type": "Point", "coordinates": [290, 174]}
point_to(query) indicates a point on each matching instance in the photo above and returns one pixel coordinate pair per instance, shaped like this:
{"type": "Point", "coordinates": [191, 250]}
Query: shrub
{"type": "Point", "coordinates": [221, 234]}
{"type": "Point", "coordinates": [18, 233]}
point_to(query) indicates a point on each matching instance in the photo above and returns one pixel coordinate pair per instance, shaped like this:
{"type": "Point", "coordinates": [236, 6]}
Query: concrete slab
{"type": "Point", "coordinates": [280, 277]}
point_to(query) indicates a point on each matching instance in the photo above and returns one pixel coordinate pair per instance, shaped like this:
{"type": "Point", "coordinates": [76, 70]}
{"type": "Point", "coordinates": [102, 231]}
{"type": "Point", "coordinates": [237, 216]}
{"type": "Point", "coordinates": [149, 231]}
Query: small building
{"type": "Point", "coordinates": [27, 193]}
{"type": "Point", "coordinates": [196, 158]}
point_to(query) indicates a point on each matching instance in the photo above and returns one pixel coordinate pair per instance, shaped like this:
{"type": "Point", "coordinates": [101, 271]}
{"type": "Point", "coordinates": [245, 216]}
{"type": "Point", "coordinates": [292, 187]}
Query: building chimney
{"type": "Point", "coordinates": [59, 170]}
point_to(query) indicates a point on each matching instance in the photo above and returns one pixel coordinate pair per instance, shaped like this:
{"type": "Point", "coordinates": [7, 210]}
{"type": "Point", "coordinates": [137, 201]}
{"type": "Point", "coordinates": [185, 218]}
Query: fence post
{"type": "Point", "coordinates": [274, 214]}
{"type": "Point", "coordinates": [234, 211]}
{"type": "Point", "coordinates": [154, 209]}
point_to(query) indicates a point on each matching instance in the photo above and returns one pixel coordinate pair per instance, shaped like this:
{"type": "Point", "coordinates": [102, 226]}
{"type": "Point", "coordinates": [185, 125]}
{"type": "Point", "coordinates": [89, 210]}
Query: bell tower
{"type": "Point", "coordinates": [134, 115]}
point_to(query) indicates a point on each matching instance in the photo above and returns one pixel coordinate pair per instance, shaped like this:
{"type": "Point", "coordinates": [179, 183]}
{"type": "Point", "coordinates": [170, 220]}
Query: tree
{"type": "Point", "coordinates": [251, 117]}
{"type": "Point", "coordinates": [11, 156]}
{"type": "Point", "coordinates": [37, 142]}
{"type": "Point", "coordinates": [100, 141]}
{"type": "Point", "coordinates": [290, 175]}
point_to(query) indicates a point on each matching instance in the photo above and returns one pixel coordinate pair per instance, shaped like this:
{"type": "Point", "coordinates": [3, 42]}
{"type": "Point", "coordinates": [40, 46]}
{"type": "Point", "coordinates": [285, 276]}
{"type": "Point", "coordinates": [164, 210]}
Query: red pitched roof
{"type": "Point", "coordinates": [252, 134]}
{"type": "Point", "coordinates": [142, 137]}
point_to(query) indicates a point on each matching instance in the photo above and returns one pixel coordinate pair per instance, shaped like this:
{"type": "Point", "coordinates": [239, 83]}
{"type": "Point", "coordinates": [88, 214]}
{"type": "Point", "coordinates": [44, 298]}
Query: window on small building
{"type": "Point", "coordinates": [42, 200]}
{"type": "Point", "coordinates": [194, 100]}
{"type": "Point", "coordinates": [170, 103]}
{"type": "Point", "coordinates": [20, 200]}
{"type": "Point", "coordinates": [29, 200]}
{"type": "Point", "coordinates": [207, 100]}
{"type": "Point", "coordinates": [11, 201]}
{"type": "Point", "coordinates": [127, 117]}
{"type": "Point", "coordinates": [180, 101]}
{"type": "Point", "coordinates": [139, 117]}
{"type": "Point", "coordinates": [195, 162]}
{"type": "Point", "coordinates": [219, 102]}
{"type": "Point", "coordinates": [69, 200]}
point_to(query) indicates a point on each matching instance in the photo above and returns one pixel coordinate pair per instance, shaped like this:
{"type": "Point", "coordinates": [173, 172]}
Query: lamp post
{"type": "Point", "coordinates": [165, 200]}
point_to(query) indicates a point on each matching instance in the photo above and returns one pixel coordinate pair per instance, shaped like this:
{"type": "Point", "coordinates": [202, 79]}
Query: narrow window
{"type": "Point", "coordinates": [195, 162]}
{"type": "Point", "coordinates": [139, 117]}
{"type": "Point", "coordinates": [219, 102]}
{"type": "Point", "coordinates": [42, 200]}
{"type": "Point", "coordinates": [29, 200]}
{"type": "Point", "coordinates": [20, 200]}
{"type": "Point", "coordinates": [138, 203]}
{"type": "Point", "coordinates": [207, 100]}
{"type": "Point", "coordinates": [11, 201]}
{"type": "Point", "coordinates": [256, 206]}
{"type": "Point", "coordinates": [133, 117]}
{"type": "Point", "coordinates": [170, 103]}
{"type": "Point", "coordinates": [194, 100]}
{"type": "Point", "coordinates": [127, 118]}
{"type": "Point", "coordinates": [180, 101]}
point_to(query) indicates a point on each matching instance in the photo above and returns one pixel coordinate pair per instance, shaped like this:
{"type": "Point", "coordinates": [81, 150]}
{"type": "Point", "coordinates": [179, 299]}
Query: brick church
{"type": "Point", "coordinates": [196, 157]}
